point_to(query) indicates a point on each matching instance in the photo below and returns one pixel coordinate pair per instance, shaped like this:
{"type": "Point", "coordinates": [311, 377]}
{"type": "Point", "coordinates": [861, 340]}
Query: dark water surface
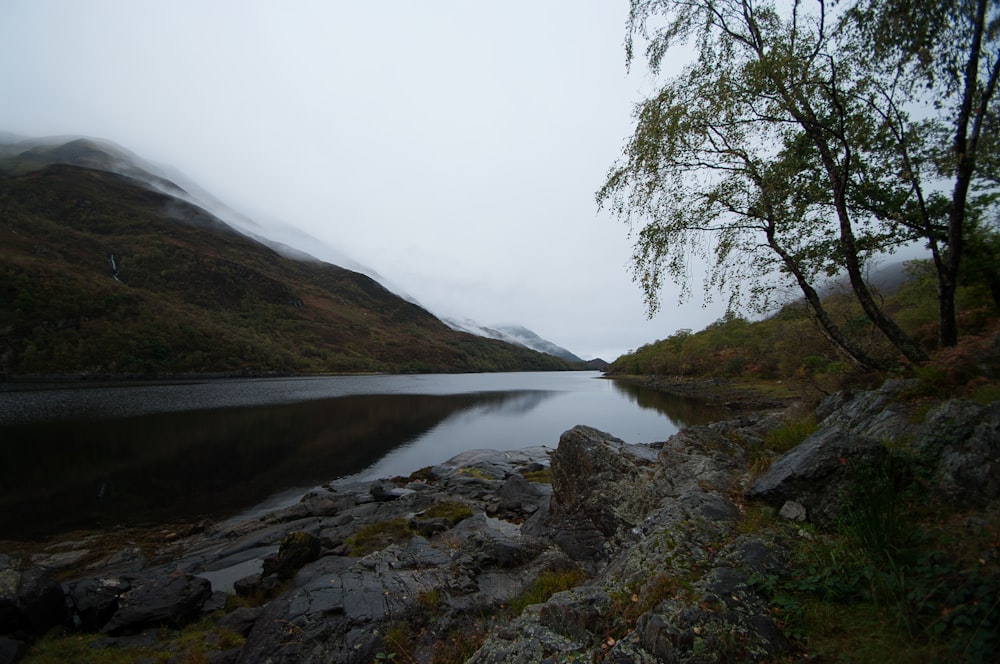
{"type": "Point", "coordinates": [85, 457]}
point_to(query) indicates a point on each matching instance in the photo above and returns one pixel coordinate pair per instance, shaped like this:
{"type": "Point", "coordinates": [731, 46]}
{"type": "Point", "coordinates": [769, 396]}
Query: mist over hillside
{"type": "Point", "coordinates": [20, 155]}
{"type": "Point", "coordinates": [515, 334]}
{"type": "Point", "coordinates": [113, 268]}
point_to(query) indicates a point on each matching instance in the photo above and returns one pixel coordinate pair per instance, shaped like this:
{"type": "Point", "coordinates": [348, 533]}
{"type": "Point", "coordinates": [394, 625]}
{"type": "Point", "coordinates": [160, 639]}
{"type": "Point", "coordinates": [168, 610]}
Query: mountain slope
{"type": "Point", "coordinates": [514, 334]}
{"type": "Point", "coordinates": [101, 274]}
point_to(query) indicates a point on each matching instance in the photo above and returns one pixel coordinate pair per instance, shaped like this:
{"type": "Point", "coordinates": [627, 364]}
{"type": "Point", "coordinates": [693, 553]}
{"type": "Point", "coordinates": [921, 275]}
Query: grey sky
{"type": "Point", "coordinates": [452, 146]}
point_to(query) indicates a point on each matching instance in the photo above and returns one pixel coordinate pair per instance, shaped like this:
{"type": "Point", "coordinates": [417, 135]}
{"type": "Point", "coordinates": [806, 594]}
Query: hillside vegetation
{"type": "Point", "coordinates": [99, 274]}
{"type": "Point", "coordinates": [789, 346]}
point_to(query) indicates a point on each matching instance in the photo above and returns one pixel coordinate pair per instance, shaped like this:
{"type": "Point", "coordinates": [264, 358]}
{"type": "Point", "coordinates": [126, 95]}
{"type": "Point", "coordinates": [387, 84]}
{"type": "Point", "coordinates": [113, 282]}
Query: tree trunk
{"type": "Point", "coordinates": [830, 329]}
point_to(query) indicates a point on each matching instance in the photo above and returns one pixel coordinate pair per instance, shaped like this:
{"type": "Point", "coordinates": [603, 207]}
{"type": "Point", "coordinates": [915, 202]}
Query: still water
{"type": "Point", "coordinates": [86, 457]}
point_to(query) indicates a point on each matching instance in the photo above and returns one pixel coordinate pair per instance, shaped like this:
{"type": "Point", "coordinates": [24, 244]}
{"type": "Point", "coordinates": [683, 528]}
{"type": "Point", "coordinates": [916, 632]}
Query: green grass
{"type": "Point", "coordinates": [790, 434]}
{"type": "Point", "coordinates": [543, 476]}
{"type": "Point", "coordinates": [898, 580]}
{"type": "Point", "coordinates": [192, 645]}
{"type": "Point", "coordinates": [451, 510]}
{"type": "Point", "coordinates": [545, 585]}
{"type": "Point", "coordinates": [376, 536]}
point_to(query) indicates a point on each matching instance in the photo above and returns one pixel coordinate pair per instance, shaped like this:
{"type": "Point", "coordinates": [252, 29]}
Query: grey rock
{"type": "Point", "coordinates": [601, 488]}
{"type": "Point", "coordinates": [240, 620]}
{"type": "Point", "coordinates": [12, 650]}
{"type": "Point", "coordinates": [702, 456]}
{"type": "Point", "coordinates": [383, 490]}
{"type": "Point", "coordinates": [128, 560]}
{"type": "Point", "coordinates": [59, 560]}
{"type": "Point", "coordinates": [247, 585]}
{"type": "Point", "coordinates": [792, 511]}
{"type": "Point", "coordinates": [31, 602]}
{"type": "Point", "coordinates": [962, 443]}
{"type": "Point", "coordinates": [577, 613]}
{"type": "Point", "coordinates": [658, 637]}
{"type": "Point", "coordinates": [755, 556]}
{"type": "Point", "coordinates": [326, 502]}
{"type": "Point", "coordinates": [876, 414]}
{"type": "Point", "coordinates": [297, 548]}
{"type": "Point", "coordinates": [174, 600]}
{"type": "Point", "coordinates": [95, 600]}
{"type": "Point", "coordinates": [519, 495]}
{"type": "Point", "coordinates": [817, 472]}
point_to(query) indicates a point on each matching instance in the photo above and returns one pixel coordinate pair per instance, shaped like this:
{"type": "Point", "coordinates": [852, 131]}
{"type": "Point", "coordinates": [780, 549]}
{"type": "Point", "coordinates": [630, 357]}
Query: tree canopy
{"type": "Point", "coordinates": [805, 139]}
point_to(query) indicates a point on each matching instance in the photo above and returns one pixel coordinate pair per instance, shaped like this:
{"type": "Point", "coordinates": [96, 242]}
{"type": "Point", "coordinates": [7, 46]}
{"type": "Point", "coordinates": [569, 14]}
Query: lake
{"type": "Point", "coordinates": [86, 456]}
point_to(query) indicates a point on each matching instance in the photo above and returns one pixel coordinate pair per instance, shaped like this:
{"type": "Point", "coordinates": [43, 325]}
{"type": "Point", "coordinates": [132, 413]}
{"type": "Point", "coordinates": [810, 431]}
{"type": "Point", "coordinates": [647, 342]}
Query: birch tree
{"type": "Point", "coordinates": [786, 150]}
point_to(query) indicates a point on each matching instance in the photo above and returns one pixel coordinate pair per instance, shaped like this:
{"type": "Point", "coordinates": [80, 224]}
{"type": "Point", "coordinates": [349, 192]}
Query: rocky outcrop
{"type": "Point", "coordinates": [153, 601]}
{"type": "Point", "coordinates": [818, 472]}
{"type": "Point", "coordinates": [961, 446]}
{"type": "Point", "coordinates": [671, 571]}
{"type": "Point", "coordinates": [31, 601]}
{"type": "Point", "coordinates": [958, 444]}
{"type": "Point", "coordinates": [602, 487]}
{"type": "Point", "coordinates": [339, 607]}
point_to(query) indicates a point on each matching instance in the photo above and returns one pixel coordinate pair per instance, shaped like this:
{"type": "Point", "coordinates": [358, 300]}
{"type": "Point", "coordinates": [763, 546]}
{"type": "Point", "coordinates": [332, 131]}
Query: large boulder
{"type": "Point", "coordinates": [877, 414]}
{"type": "Point", "coordinates": [601, 487]}
{"type": "Point", "coordinates": [95, 600]}
{"type": "Point", "coordinates": [296, 549]}
{"type": "Point", "coordinates": [961, 443]}
{"type": "Point", "coordinates": [31, 602]}
{"type": "Point", "coordinates": [819, 472]}
{"type": "Point", "coordinates": [171, 599]}
{"type": "Point", "coordinates": [668, 589]}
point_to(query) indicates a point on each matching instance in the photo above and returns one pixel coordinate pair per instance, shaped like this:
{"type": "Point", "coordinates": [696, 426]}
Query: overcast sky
{"type": "Point", "coordinates": [454, 147]}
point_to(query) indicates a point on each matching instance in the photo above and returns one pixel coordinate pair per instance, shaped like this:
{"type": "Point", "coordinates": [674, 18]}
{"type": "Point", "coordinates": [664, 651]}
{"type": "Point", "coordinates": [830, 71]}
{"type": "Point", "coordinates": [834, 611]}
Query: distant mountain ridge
{"type": "Point", "coordinates": [515, 334]}
{"type": "Point", "coordinates": [110, 268]}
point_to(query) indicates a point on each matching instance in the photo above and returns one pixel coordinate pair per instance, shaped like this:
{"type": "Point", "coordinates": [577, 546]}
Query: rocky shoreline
{"type": "Point", "coordinates": [645, 551]}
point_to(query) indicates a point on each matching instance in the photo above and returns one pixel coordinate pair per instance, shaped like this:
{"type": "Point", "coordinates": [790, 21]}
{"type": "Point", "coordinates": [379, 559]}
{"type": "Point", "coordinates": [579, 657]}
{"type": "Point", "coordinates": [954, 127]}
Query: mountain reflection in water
{"type": "Point", "coordinates": [65, 474]}
{"type": "Point", "coordinates": [139, 454]}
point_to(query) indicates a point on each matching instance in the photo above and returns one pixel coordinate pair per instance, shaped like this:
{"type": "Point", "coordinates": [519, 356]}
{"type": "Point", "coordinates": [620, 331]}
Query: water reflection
{"type": "Point", "coordinates": [82, 458]}
{"type": "Point", "coordinates": [78, 473]}
{"type": "Point", "coordinates": [682, 411]}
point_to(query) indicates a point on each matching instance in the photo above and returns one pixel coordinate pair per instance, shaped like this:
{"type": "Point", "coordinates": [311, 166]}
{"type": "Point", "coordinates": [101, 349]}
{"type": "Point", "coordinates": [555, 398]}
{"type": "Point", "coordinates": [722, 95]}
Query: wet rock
{"type": "Point", "coordinates": [297, 548]}
{"type": "Point", "coordinates": [31, 602]}
{"type": "Point", "coordinates": [95, 600]}
{"type": "Point", "coordinates": [173, 600]}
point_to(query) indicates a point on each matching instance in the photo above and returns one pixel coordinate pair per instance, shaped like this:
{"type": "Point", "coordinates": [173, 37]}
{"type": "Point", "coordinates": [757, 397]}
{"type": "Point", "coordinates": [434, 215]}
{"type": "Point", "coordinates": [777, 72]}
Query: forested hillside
{"type": "Point", "coordinates": [789, 345]}
{"type": "Point", "coordinates": [102, 275]}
